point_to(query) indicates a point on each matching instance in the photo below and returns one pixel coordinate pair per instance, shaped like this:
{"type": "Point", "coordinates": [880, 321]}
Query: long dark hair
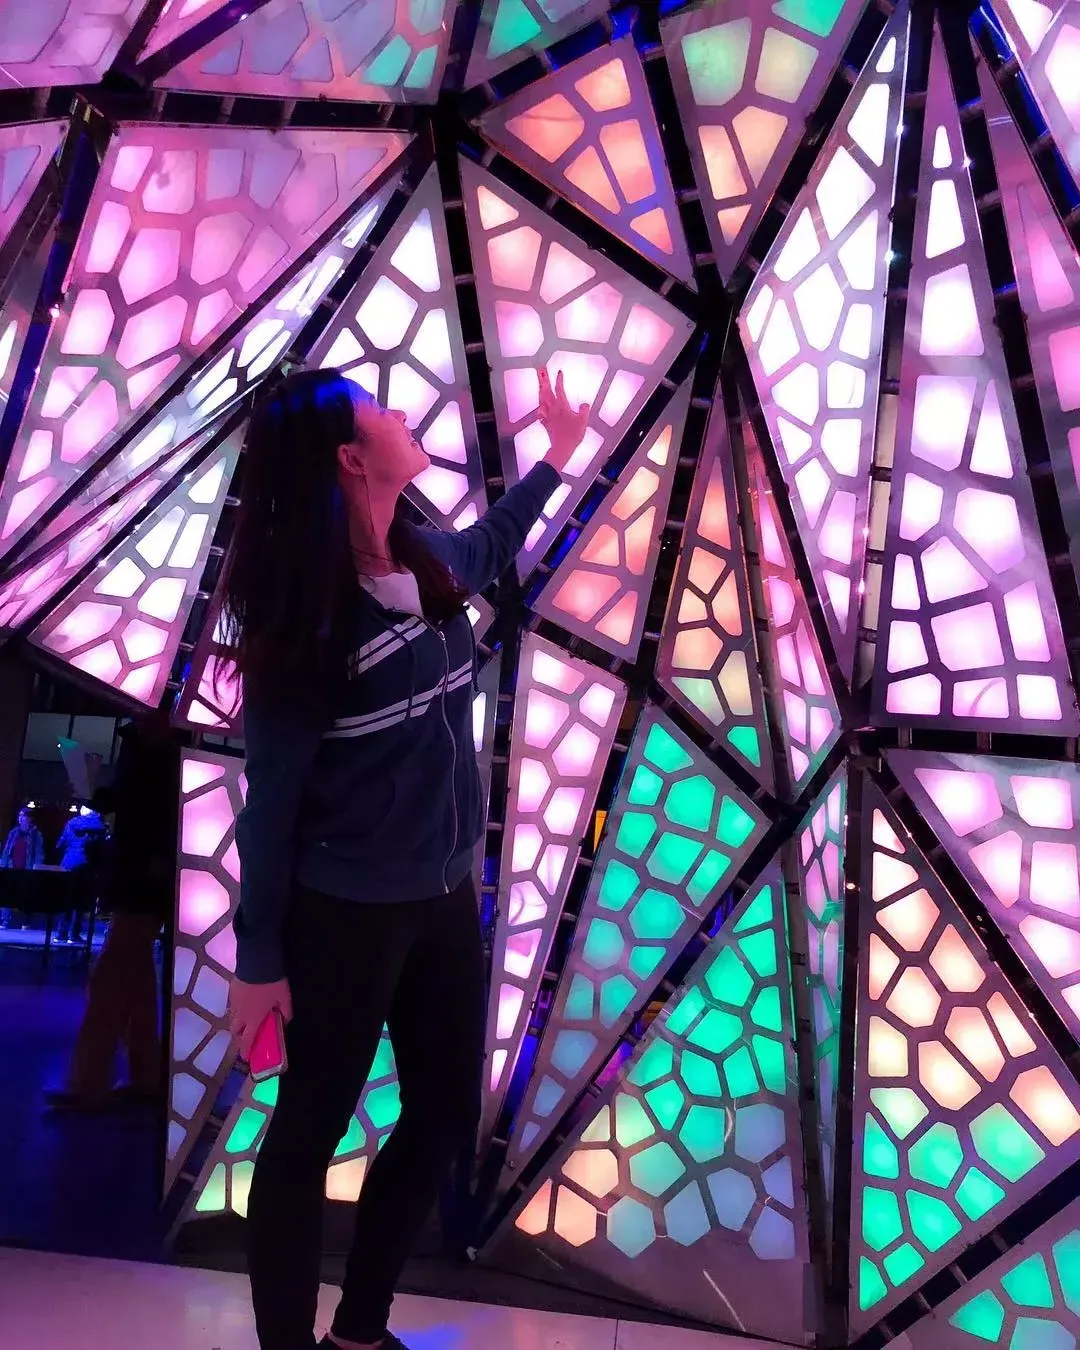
{"type": "Point", "coordinates": [290, 588]}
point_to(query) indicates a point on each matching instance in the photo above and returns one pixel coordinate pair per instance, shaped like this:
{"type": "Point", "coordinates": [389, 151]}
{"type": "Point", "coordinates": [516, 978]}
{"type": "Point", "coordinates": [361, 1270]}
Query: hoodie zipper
{"type": "Point", "coordinates": [453, 752]}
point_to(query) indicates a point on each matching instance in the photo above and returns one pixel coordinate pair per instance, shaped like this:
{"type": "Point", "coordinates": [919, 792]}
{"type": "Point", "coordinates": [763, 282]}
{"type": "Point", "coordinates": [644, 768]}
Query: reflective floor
{"type": "Point", "coordinates": [82, 1304]}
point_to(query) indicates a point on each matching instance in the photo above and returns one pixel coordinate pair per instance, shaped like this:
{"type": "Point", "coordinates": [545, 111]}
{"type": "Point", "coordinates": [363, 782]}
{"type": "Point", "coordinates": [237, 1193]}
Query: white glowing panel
{"type": "Point", "coordinates": [62, 42]}
{"type": "Point", "coordinates": [1046, 37]}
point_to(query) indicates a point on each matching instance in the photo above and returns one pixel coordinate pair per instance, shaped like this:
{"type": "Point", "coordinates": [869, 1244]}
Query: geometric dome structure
{"type": "Point", "coordinates": [777, 714]}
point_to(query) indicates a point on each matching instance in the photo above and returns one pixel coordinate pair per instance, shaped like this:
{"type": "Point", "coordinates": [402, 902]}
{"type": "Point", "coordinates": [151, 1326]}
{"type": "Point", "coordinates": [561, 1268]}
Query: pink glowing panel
{"type": "Point", "coordinates": [810, 716]}
{"type": "Point", "coordinates": [566, 717]}
{"type": "Point", "coordinates": [212, 793]}
{"type": "Point", "coordinates": [63, 43]}
{"type": "Point", "coordinates": [1046, 37]}
{"type": "Point", "coordinates": [145, 585]}
{"type": "Point", "coordinates": [511, 30]}
{"type": "Point", "coordinates": [398, 334]}
{"type": "Point", "coordinates": [613, 355]}
{"type": "Point", "coordinates": [1010, 826]}
{"type": "Point", "coordinates": [247, 205]}
{"type": "Point", "coordinates": [962, 1109]}
{"type": "Point", "coordinates": [819, 300]}
{"type": "Point", "coordinates": [964, 560]}
{"type": "Point", "coordinates": [26, 150]}
{"type": "Point", "coordinates": [366, 50]}
{"type": "Point", "coordinates": [602, 588]}
{"type": "Point", "coordinates": [746, 76]}
{"type": "Point", "coordinates": [177, 18]}
{"type": "Point", "coordinates": [589, 132]}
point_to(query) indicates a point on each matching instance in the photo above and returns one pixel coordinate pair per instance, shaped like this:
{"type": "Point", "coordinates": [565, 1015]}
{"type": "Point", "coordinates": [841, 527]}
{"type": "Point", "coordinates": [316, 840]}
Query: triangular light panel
{"type": "Point", "coordinates": [187, 229]}
{"type": "Point", "coordinates": [589, 131]}
{"type": "Point", "coordinates": [26, 150]}
{"type": "Point", "coordinates": [398, 334]}
{"type": "Point", "coordinates": [547, 300]}
{"type": "Point", "coordinates": [602, 587]}
{"type": "Point", "coordinates": [566, 716]}
{"type": "Point", "coordinates": [305, 49]}
{"type": "Point", "coordinates": [968, 631]}
{"type": "Point", "coordinates": [747, 74]}
{"type": "Point", "coordinates": [1010, 825]}
{"type": "Point", "coordinates": [707, 660]}
{"type": "Point", "coordinates": [177, 18]}
{"type": "Point", "coordinates": [677, 835]}
{"type": "Point", "coordinates": [813, 324]}
{"type": "Point", "coordinates": [511, 30]}
{"type": "Point", "coordinates": [962, 1109]}
{"type": "Point", "coordinates": [65, 43]}
{"type": "Point", "coordinates": [686, 1188]}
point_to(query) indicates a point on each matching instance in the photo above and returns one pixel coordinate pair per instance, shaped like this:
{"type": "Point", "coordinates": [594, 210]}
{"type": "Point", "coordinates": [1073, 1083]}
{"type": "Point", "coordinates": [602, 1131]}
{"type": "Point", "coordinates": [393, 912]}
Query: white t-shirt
{"type": "Point", "coordinates": [397, 592]}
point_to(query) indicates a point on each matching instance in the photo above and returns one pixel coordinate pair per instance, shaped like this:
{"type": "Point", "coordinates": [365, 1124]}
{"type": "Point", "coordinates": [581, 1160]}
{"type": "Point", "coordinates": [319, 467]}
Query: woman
{"type": "Point", "coordinates": [357, 909]}
{"type": "Point", "coordinates": [24, 849]}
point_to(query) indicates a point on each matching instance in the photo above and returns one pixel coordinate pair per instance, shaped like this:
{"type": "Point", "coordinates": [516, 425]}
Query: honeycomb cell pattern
{"type": "Point", "coordinates": [968, 632]}
{"type": "Point", "coordinates": [962, 1109]}
{"type": "Point", "coordinates": [546, 300]}
{"type": "Point", "coordinates": [707, 660]}
{"type": "Point", "coordinates": [604, 582]}
{"type": "Point", "coordinates": [65, 42]}
{"type": "Point", "coordinates": [696, 1156]}
{"type": "Point", "coordinates": [1045, 34]}
{"type": "Point", "coordinates": [745, 75]}
{"type": "Point", "coordinates": [566, 716]}
{"type": "Point", "coordinates": [589, 131]}
{"type": "Point", "coordinates": [813, 323]}
{"type": "Point", "coordinates": [511, 30]}
{"type": "Point", "coordinates": [676, 836]}
{"type": "Point", "coordinates": [177, 18]}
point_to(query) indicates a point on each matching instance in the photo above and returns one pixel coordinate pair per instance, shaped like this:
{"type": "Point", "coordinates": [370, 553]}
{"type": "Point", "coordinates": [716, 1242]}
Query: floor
{"type": "Point", "coordinates": [83, 1304]}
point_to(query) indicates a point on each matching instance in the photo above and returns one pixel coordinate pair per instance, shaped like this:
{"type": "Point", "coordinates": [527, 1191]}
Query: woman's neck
{"type": "Point", "coordinates": [369, 539]}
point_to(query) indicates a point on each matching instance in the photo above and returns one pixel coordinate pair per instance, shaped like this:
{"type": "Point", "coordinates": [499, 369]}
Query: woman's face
{"type": "Point", "coordinates": [385, 457]}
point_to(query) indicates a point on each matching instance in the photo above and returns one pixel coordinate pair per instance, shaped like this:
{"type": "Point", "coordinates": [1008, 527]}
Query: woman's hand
{"type": "Point", "coordinates": [251, 1004]}
{"type": "Point", "coordinates": [564, 426]}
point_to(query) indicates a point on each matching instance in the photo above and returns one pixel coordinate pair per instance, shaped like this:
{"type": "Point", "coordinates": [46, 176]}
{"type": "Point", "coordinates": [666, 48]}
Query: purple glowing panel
{"type": "Point", "coordinates": [746, 76]}
{"type": "Point", "coordinates": [398, 334]}
{"type": "Point", "coordinates": [176, 19]}
{"type": "Point", "coordinates": [602, 588]}
{"type": "Point", "coordinates": [968, 632]}
{"type": "Point", "coordinates": [566, 716]}
{"type": "Point", "coordinates": [686, 1187]}
{"type": "Point", "coordinates": [26, 150]}
{"type": "Point", "coordinates": [962, 1110]}
{"type": "Point", "coordinates": [124, 622]}
{"type": "Point", "coordinates": [511, 30]}
{"type": "Point", "coordinates": [589, 131]}
{"type": "Point", "coordinates": [1045, 34]}
{"type": "Point", "coordinates": [677, 835]}
{"type": "Point", "coordinates": [366, 50]}
{"type": "Point", "coordinates": [186, 230]}
{"type": "Point", "coordinates": [212, 790]}
{"type": "Point", "coordinates": [1010, 825]}
{"type": "Point", "coordinates": [813, 324]}
{"type": "Point", "coordinates": [63, 42]}
{"type": "Point", "coordinates": [547, 300]}
{"type": "Point", "coordinates": [1048, 279]}
{"type": "Point", "coordinates": [707, 660]}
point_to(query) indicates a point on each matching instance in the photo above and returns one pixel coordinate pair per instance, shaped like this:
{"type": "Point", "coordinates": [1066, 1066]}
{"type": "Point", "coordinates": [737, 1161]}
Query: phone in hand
{"type": "Point", "coordinates": [268, 1057]}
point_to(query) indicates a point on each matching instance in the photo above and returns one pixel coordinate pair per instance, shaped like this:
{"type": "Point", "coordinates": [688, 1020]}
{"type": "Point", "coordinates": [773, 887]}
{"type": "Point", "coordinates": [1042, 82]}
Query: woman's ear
{"type": "Point", "coordinates": [350, 461]}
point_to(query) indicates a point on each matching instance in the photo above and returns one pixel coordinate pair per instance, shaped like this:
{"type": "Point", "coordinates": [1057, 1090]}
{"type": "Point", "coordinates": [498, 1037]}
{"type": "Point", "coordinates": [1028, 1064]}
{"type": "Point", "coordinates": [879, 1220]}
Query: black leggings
{"type": "Point", "coordinates": [419, 968]}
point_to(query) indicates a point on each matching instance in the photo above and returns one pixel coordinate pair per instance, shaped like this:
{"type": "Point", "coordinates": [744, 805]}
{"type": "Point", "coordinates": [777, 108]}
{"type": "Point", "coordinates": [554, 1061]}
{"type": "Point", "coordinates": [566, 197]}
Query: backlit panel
{"type": "Point", "coordinates": [686, 1186]}
{"type": "Point", "coordinates": [547, 300]}
{"type": "Point", "coordinates": [1048, 280]}
{"type": "Point", "coordinates": [187, 228]}
{"type": "Point", "coordinates": [962, 1110]}
{"type": "Point", "coordinates": [26, 150]}
{"type": "Point", "coordinates": [63, 42]}
{"type": "Point", "coordinates": [511, 30]}
{"type": "Point", "coordinates": [1046, 36]}
{"type": "Point", "coordinates": [821, 849]}
{"type": "Point", "coordinates": [813, 324]}
{"type": "Point", "coordinates": [177, 18]}
{"type": "Point", "coordinates": [677, 835]}
{"type": "Point", "coordinates": [589, 132]}
{"type": "Point", "coordinates": [602, 587]}
{"type": "Point", "coordinates": [365, 50]}
{"type": "Point", "coordinates": [810, 715]}
{"type": "Point", "coordinates": [707, 660]}
{"type": "Point", "coordinates": [123, 623]}
{"type": "Point", "coordinates": [399, 335]}
{"type": "Point", "coordinates": [968, 632]}
{"type": "Point", "coordinates": [212, 790]}
{"type": "Point", "coordinates": [566, 716]}
{"type": "Point", "coordinates": [1010, 826]}
{"type": "Point", "coordinates": [746, 77]}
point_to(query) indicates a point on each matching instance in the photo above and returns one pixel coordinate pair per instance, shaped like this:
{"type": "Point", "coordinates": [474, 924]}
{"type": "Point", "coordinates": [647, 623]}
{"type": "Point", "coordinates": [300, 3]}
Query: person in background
{"type": "Point", "coordinates": [123, 1003]}
{"type": "Point", "coordinates": [24, 849]}
{"type": "Point", "coordinates": [80, 846]}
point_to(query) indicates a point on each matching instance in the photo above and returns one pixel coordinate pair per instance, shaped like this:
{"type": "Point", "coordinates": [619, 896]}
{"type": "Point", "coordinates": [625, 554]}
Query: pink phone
{"type": "Point", "coordinates": [268, 1057]}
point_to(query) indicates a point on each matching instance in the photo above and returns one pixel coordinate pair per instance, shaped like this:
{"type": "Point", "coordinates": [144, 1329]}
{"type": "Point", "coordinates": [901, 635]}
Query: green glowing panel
{"type": "Point", "coordinates": [677, 834]}
{"type": "Point", "coordinates": [716, 61]}
{"type": "Point", "coordinates": [511, 30]}
{"type": "Point", "coordinates": [816, 16]}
